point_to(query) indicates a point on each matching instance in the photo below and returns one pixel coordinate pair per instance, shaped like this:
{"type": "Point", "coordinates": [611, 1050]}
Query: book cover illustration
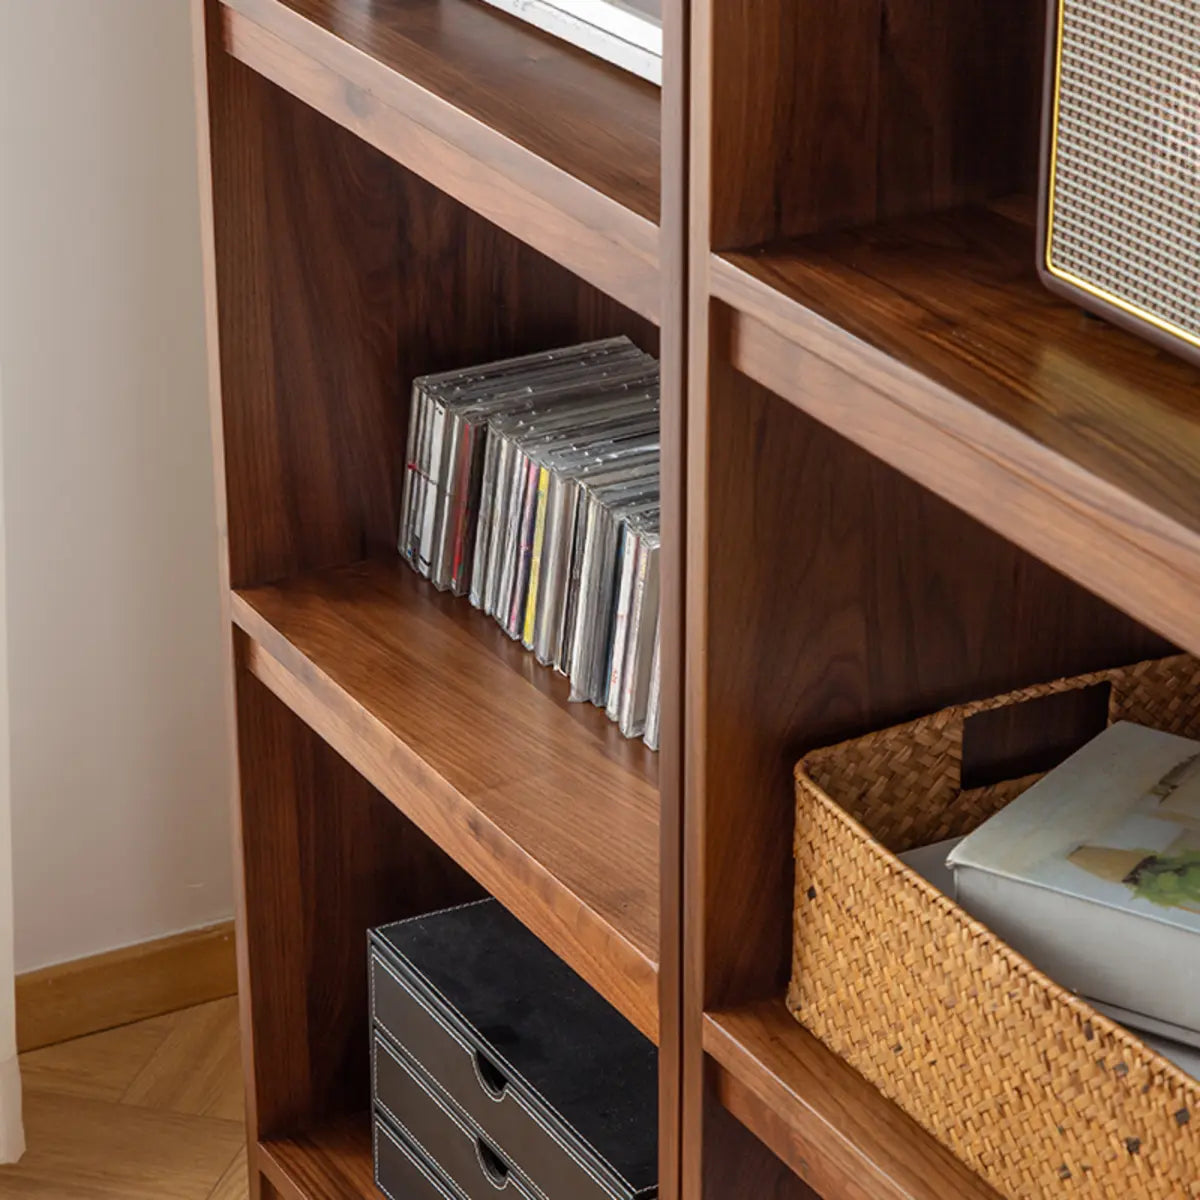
{"type": "Point", "coordinates": [1154, 854]}
{"type": "Point", "coordinates": [1117, 825]}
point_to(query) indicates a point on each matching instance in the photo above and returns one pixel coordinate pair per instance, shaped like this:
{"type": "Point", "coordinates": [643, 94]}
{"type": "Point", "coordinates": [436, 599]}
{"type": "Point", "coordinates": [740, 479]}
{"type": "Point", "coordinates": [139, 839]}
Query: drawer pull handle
{"type": "Point", "coordinates": [494, 1168]}
{"type": "Point", "coordinates": [490, 1077]}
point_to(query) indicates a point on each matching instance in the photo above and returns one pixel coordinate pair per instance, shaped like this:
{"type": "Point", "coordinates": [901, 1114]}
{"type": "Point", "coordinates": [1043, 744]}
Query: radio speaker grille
{"type": "Point", "coordinates": [1125, 173]}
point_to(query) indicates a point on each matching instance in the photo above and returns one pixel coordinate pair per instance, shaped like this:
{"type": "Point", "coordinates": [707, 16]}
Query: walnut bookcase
{"type": "Point", "coordinates": [896, 475]}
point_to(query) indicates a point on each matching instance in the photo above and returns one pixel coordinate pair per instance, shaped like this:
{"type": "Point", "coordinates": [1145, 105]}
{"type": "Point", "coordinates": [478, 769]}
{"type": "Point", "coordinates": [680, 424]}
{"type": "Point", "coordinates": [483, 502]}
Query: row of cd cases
{"type": "Point", "coordinates": [532, 487]}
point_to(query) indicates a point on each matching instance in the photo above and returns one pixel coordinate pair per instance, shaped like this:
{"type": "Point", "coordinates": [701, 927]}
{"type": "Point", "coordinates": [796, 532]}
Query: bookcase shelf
{"type": "Point", "coordinates": [542, 801]}
{"type": "Point", "coordinates": [930, 342]}
{"type": "Point", "coordinates": [552, 145]}
{"type": "Point", "coordinates": [818, 1115]}
{"type": "Point", "coordinates": [897, 475]}
{"type": "Point", "coordinates": [331, 1162]}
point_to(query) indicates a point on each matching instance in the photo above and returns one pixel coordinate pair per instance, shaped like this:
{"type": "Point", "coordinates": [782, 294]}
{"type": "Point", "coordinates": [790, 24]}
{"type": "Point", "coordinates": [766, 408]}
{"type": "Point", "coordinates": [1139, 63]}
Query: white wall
{"type": "Point", "coordinates": [12, 1132]}
{"type": "Point", "coordinates": [118, 751]}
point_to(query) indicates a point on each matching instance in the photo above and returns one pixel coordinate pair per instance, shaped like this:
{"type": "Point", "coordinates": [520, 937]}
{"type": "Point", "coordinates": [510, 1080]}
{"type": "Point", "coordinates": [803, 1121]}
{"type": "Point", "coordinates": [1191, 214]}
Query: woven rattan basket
{"type": "Point", "coordinates": [1022, 1081]}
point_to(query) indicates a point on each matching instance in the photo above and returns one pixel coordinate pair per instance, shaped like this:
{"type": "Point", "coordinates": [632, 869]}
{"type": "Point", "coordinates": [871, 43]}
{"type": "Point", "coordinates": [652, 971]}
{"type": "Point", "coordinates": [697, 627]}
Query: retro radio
{"type": "Point", "coordinates": [1120, 197]}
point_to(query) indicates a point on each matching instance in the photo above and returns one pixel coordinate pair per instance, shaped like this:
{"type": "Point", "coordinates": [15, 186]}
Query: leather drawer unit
{"type": "Point", "coordinates": [422, 1112]}
{"type": "Point", "coordinates": [402, 1172]}
{"type": "Point", "coordinates": [477, 1020]}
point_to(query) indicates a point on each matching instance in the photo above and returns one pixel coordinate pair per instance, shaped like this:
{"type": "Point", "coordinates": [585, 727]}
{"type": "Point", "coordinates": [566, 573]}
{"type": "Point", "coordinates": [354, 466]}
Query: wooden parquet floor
{"type": "Point", "coordinates": [152, 1111]}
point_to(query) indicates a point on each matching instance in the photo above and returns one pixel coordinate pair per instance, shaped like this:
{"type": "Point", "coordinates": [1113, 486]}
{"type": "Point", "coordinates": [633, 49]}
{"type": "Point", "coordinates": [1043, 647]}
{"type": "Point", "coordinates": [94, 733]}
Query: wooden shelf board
{"type": "Point", "coordinates": [541, 800]}
{"type": "Point", "coordinates": [931, 343]}
{"type": "Point", "coordinates": [333, 1162]}
{"type": "Point", "coordinates": [822, 1118]}
{"type": "Point", "coordinates": [551, 144]}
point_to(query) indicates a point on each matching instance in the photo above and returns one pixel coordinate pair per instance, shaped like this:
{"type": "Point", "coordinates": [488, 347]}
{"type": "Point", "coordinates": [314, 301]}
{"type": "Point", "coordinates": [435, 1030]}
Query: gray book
{"type": "Point", "coordinates": [1093, 874]}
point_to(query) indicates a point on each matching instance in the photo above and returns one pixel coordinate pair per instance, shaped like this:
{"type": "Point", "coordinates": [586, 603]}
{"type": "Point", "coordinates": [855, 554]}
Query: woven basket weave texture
{"type": "Point", "coordinates": [1029, 1086]}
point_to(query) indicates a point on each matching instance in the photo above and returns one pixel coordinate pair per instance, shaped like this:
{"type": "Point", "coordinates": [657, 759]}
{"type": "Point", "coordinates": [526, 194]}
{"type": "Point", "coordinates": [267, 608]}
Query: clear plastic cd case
{"type": "Point", "coordinates": [531, 487]}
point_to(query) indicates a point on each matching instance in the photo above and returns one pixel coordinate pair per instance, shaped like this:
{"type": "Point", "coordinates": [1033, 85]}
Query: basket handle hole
{"type": "Point", "coordinates": [1031, 738]}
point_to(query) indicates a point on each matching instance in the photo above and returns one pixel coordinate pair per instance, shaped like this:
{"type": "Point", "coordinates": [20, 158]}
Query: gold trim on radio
{"type": "Point", "coordinates": [1092, 290]}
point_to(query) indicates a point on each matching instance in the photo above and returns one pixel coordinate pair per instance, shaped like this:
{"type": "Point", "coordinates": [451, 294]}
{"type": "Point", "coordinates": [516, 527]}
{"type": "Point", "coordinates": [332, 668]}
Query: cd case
{"type": "Point", "coordinates": [531, 487]}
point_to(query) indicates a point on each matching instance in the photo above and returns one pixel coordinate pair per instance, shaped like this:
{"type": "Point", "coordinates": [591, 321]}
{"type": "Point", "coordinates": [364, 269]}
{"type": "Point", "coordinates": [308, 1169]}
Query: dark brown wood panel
{"type": "Point", "coordinates": [738, 1166]}
{"type": "Point", "coordinates": [931, 343]}
{"type": "Point", "coordinates": [324, 858]}
{"type": "Point", "coordinates": [613, 246]}
{"type": "Point", "coordinates": [541, 800]}
{"type": "Point", "coordinates": [329, 1162]}
{"type": "Point", "coordinates": [700, 125]}
{"type": "Point", "coordinates": [675, 205]}
{"type": "Point", "coordinates": [308, 285]}
{"type": "Point", "coordinates": [827, 115]}
{"type": "Point", "coordinates": [337, 286]}
{"type": "Point", "coordinates": [822, 1118]}
{"type": "Point", "coordinates": [598, 124]}
{"type": "Point", "coordinates": [841, 597]}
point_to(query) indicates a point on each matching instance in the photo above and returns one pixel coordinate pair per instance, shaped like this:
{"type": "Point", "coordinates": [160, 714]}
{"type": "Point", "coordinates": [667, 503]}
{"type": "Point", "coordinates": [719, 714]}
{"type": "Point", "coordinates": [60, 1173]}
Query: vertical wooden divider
{"type": "Point", "coordinates": [673, 251]}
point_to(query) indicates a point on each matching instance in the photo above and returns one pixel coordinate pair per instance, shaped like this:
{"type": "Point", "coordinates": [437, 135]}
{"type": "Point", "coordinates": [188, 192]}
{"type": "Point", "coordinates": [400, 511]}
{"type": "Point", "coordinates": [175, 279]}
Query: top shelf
{"type": "Point", "coordinates": [931, 343]}
{"type": "Point", "coordinates": [557, 147]}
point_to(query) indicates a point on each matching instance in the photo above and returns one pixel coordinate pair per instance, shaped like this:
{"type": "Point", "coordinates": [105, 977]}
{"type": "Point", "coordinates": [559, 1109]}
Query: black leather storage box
{"type": "Point", "coordinates": [496, 1067]}
{"type": "Point", "coordinates": [402, 1171]}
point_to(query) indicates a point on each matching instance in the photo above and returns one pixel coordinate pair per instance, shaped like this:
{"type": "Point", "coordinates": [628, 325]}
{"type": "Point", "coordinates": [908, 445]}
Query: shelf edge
{"type": "Point", "coordinates": [1030, 494]}
{"type": "Point", "coordinates": [809, 1127]}
{"type": "Point", "coordinates": [610, 246]}
{"type": "Point", "coordinates": [276, 1159]}
{"type": "Point", "coordinates": [270, 1166]}
{"type": "Point", "coordinates": [548, 908]}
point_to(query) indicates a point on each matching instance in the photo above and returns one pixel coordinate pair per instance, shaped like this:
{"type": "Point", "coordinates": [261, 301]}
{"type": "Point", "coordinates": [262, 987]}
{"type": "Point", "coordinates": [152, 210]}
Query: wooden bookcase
{"type": "Point", "coordinates": [896, 475]}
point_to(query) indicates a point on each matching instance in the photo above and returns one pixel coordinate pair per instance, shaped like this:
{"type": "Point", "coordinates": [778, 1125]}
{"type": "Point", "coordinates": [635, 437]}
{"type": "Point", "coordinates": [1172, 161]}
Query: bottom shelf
{"type": "Point", "coordinates": [814, 1111]}
{"type": "Point", "coordinates": [821, 1117]}
{"type": "Point", "coordinates": [332, 1162]}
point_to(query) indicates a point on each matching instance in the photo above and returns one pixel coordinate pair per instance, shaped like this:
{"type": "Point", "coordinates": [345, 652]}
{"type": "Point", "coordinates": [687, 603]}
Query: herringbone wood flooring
{"type": "Point", "coordinates": [152, 1111]}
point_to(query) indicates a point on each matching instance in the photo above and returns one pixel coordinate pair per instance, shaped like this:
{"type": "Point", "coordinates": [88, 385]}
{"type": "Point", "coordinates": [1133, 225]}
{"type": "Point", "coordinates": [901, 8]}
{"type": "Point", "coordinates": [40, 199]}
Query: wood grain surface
{"type": "Point", "coordinates": [823, 1119]}
{"type": "Point", "coordinates": [840, 597]}
{"type": "Point", "coordinates": [331, 1162]}
{"type": "Point", "coordinates": [325, 858]}
{"type": "Point", "coordinates": [676, 198]}
{"type": "Point", "coordinates": [146, 1111]}
{"type": "Point", "coordinates": [337, 287]}
{"type": "Point", "coordinates": [736, 1163]}
{"type": "Point", "coordinates": [412, 79]}
{"type": "Point", "coordinates": [832, 115]}
{"type": "Point", "coordinates": [219, 146]}
{"type": "Point", "coordinates": [931, 343]}
{"type": "Point", "coordinates": [541, 800]}
{"type": "Point", "coordinates": [699, 1165]}
{"type": "Point", "coordinates": [883, 602]}
{"type": "Point", "coordinates": [595, 122]}
{"type": "Point", "coordinates": [336, 275]}
{"type": "Point", "coordinates": [72, 999]}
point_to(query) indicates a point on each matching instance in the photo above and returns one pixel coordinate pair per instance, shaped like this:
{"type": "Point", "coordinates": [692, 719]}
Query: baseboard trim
{"type": "Point", "coordinates": [104, 991]}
